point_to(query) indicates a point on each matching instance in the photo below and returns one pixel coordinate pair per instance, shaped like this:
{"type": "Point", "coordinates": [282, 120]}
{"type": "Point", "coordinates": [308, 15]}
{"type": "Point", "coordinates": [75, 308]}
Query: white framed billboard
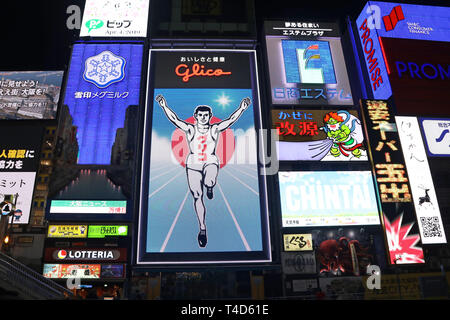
{"type": "Point", "coordinates": [424, 195]}
{"type": "Point", "coordinates": [327, 198]}
{"type": "Point", "coordinates": [115, 18]}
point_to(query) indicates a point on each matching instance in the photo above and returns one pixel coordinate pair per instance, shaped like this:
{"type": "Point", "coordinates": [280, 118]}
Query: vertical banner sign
{"type": "Point", "coordinates": [306, 64]}
{"type": "Point", "coordinates": [20, 147]}
{"type": "Point", "coordinates": [103, 82]}
{"type": "Point", "coordinates": [422, 187]}
{"type": "Point", "coordinates": [393, 184]}
{"type": "Point", "coordinates": [203, 197]}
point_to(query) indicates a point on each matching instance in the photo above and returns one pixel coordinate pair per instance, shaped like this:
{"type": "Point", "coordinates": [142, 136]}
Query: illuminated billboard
{"type": "Point", "coordinates": [117, 18]}
{"type": "Point", "coordinates": [88, 207]}
{"type": "Point", "coordinates": [400, 225]}
{"type": "Point", "coordinates": [67, 231]}
{"type": "Point", "coordinates": [201, 182]}
{"type": "Point", "coordinates": [422, 187]}
{"type": "Point", "coordinates": [103, 81]}
{"type": "Point", "coordinates": [320, 135]}
{"type": "Point", "coordinates": [436, 134]}
{"type": "Point", "coordinates": [103, 231]}
{"type": "Point", "coordinates": [306, 64]}
{"type": "Point", "coordinates": [85, 254]}
{"type": "Point", "coordinates": [381, 20]}
{"type": "Point", "coordinates": [297, 242]}
{"type": "Point", "coordinates": [65, 271]}
{"type": "Point", "coordinates": [327, 198]}
{"type": "Point", "coordinates": [30, 94]}
{"type": "Point", "coordinates": [419, 78]}
{"type": "Point", "coordinates": [20, 147]}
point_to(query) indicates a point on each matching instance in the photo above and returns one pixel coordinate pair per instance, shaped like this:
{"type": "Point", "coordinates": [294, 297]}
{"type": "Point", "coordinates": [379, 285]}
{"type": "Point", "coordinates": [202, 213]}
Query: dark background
{"type": "Point", "coordinates": [35, 37]}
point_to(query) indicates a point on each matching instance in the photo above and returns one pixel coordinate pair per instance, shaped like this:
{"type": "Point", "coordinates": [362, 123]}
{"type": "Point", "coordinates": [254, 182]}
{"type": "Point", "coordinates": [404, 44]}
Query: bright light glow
{"type": "Point", "coordinates": [223, 100]}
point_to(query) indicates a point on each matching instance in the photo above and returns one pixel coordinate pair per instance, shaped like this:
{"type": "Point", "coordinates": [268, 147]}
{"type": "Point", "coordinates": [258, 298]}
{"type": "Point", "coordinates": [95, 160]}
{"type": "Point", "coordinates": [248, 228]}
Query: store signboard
{"type": "Point", "coordinates": [65, 271]}
{"type": "Point", "coordinates": [299, 262]}
{"type": "Point", "coordinates": [86, 254]}
{"type": "Point", "coordinates": [67, 231]}
{"type": "Point", "coordinates": [297, 242]}
{"type": "Point", "coordinates": [88, 206]}
{"type": "Point", "coordinates": [97, 231]}
{"type": "Point", "coordinates": [400, 224]}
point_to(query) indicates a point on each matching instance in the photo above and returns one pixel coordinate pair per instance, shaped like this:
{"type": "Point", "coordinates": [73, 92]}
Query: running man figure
{"type": "Point", "coordinates": [202, 164]}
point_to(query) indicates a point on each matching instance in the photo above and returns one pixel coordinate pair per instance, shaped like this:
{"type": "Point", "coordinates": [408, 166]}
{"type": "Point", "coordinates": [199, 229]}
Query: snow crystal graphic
{"type": "Point", "coordinates": [104, 69]}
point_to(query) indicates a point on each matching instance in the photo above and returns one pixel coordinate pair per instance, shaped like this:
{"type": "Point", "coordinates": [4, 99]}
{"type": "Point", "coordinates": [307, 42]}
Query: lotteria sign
{"type": "Point", "coordinates": [85, 254]}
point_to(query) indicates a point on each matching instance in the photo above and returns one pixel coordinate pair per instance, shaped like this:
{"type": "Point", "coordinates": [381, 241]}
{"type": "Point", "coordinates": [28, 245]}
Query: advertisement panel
{"type": "Point", "coordinates": [380, 20]}
{"type": "Point", "coordinates": [327, 198]}
{"type": "Point", "coordinates": [100, 232]}
{"type": "Point", "coordinates": [85, 254]}
{"type": "Point", "coordinates": [20, 147]}
{"type": "Point", "coordinates": [306, 64]}
{"type": "Point", "coordinates": [200, 160]}
{"type": "Point", "coordinates": [65, 271]}
{"type": "Point", "coordinates": [419, 78]}
{"type": "Point", "coordinates": [297, 242]}
{"type": "Point", "coordinates": [29, 94]}
{"type": "Point", "coordinates": [399, 219]}
{"type": "Point", "coordinates": [320, 135]}
{"type": "Point", "coordinates": [88, 206]}
{"type": "Point", "coordinates": [410, 21]}
{"type": "Point", "coordinates": [106, 18]}
{"type": "Point", "coordinates": [103, 83]}
{"type": "Point", "coordinates": [67, 231]}
{"type": "Point", "coordinates": [436, 136]}
{"type": "Point", "coordinates": [421, 181]}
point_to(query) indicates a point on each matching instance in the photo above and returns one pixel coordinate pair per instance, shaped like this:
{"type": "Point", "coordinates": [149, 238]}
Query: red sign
{"type": "Point", "coordinates": [183, 70]}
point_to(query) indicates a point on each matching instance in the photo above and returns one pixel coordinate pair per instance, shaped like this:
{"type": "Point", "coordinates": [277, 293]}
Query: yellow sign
{"type": "Point", "coordinates": [297, 242]}
{"type": "Point", "coordinates": [67, 231]}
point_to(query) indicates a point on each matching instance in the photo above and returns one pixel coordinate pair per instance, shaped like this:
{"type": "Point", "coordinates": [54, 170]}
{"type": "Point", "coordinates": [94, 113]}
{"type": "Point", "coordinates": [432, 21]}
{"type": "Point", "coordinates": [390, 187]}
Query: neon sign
{"type": "Point", "coordinates": [182, 70]}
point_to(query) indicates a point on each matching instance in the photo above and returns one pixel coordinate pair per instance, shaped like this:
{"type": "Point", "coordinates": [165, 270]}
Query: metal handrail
{"type": "Point", "coordinates": [19, 274]}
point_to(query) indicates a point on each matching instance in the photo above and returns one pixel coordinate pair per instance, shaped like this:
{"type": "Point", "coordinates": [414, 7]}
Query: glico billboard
{"type": "Point", "coordinates": [380, 20]}
{"type": "Point", "coordinates": [203, 193]}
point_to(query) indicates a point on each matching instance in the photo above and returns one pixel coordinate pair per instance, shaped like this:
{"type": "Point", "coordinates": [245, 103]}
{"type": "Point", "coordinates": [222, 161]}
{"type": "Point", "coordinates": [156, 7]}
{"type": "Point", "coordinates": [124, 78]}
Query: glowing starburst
{"type": "Point", "coordinates": [223, 100]}
{"type": "Point", "coordinates": [402, 246]}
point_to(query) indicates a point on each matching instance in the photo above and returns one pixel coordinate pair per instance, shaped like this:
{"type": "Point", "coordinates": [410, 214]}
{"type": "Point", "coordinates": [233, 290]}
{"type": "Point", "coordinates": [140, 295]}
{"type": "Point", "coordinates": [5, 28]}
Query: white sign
{"type": "Point", "coordinates": [16, 189]}
{"type": "Point", "coordinates": [421, 181]}
{"type": "Point", "coordinates": [115, 18]}
{"type": "Point", "coordinates": [437, 136]}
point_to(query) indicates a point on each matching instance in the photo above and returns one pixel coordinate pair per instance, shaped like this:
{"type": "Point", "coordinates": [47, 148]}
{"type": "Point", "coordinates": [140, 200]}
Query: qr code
{"type": "Point", "coordinates": [431, 227]}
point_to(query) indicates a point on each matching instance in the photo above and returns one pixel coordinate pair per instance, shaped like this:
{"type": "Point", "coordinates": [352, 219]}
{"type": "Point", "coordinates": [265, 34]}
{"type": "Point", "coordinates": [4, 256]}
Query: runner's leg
{"type": "Point", "coordinates": [196, 187]}
{"type": "Point", "coordinates": [210, 178]}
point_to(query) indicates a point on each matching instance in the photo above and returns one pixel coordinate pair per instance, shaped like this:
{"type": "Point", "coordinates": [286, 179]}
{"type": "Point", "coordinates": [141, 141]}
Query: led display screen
{"type": "Point", "coordinates": [88, 207]}
{"type": "Point", "coordinates": [327, 198]}
{"type": "Point", "coordinates": [436, 134]}
{"type": "Point", "coordinates": [421, 181]}
{"type": "Point", "coordinates": [320, 135]}
{"type": "Point", "coordinates": [200, 167]}
{"type": "Point", "coordinates": [29, 94]}
{"type": "Point", "coordinates": [116, 18]}
{"type": "Point", "coordinates": [419, 78]}
{"type": "Point", "coordinates": [65, 271]}
{"type": "Point", "coordinates": [400, 225]}
{"type": "Point", "coordinates": [306, 64]}
{"type": "Point", "coordinates": [409, 21]}
{"type": "Point", "coordinates": [20, 147]}
{"type": "Point", "coordinates": [95, 231]}
{"type": "Point", "coordinates": [103, 83]}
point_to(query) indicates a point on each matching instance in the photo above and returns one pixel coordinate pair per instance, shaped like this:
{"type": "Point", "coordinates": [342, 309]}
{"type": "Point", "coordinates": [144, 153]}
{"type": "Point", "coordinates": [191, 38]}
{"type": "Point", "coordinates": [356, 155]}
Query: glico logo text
{"type": "Point", "coordinates": [183, 71]}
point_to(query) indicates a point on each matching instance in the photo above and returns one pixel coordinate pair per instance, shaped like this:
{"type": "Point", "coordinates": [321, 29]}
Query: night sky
{"type": "Point", "coordinates": [35, 35]}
